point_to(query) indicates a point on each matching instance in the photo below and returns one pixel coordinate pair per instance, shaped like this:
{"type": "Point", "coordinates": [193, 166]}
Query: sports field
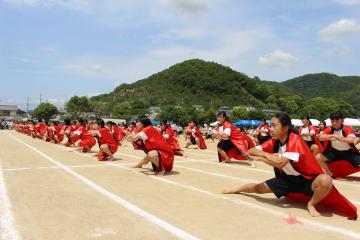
{"type": "Point", "coordinates": [48, 191]}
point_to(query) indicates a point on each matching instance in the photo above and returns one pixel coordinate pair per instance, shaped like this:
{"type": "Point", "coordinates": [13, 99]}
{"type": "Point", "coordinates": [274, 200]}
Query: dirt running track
{"type": "Point", "coordinates": [52, 192]}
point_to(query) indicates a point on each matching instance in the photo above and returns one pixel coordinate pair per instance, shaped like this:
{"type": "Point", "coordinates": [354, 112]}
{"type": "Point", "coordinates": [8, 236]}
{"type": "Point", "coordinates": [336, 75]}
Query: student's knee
{"type": "Point", "coordinates": [325, 181]}
{"type": "Point", "coordinates": [319, 157]}
{"type": "Point", "coordinates": [152, 154]}
{"type": "Point", "coordinates": [315, 147]}
{"type": "Point", "coordinates": [104, 147]}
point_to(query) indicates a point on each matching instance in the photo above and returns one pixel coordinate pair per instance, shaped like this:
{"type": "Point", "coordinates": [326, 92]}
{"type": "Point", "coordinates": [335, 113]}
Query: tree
{"type": "Point", "coordinates": [321, 108]}
{"type": "Point", "coordinates": [101, 108]}
{"type": "Point", "coordinates": [77, 105]}
{"type": "Point", "coordinates": [239, 113]}
{"type": "Point", "coordinates": [122, 110]}
{"type": "Point", "coordinates": [45, 111]}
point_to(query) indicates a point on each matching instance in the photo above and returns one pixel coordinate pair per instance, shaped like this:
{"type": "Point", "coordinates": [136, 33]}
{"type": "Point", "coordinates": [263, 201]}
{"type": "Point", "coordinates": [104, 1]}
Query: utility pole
{"type": "Point", "coordinates": [40, 99]}
{"type": "Point", "coordinates": [27, 107]}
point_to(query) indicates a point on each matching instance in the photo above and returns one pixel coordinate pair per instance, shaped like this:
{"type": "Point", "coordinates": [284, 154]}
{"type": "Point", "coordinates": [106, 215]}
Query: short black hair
{"type": "Point", "coordinates": [100, 122]}
{"type": "Point", "coordinates": [223, 114]}
{"type": "Point", "coordinates": [144, 120]}
{"type": "Point", "coordinates": [337, 115]}
{"type": "Point", "coordinates": [67, 122]}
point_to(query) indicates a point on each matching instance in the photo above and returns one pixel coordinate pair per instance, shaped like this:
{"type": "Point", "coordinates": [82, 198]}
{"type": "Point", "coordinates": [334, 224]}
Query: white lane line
{"type": "Point", "coordinates": [53, 167]}
{"type": "Point", "coordinates": [314, 225]}
{"type": "Point", "coordinates": [133, 208]}
{"type": "Point", "coordinates": [247, 180]}
{"type": "Point", "coordinates": [7, 228]}
{"type": "Point", "coordinates": [248, 168]}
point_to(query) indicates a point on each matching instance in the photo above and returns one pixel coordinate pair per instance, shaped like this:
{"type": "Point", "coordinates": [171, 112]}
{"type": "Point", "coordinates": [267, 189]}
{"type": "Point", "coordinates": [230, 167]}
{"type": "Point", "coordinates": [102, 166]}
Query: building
{"type": "Point", "coordinates": [247, 108]}
{"type": "Point", "coordinates": [154, 110]}
{"type": "Point", "coordinates": [8, 111]}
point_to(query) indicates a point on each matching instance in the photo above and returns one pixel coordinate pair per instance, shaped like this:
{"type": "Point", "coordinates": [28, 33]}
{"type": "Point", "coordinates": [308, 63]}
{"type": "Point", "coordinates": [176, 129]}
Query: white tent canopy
{"type": "Point", "coordinates": [347, 121]}
{"type": "Point", "coordinates": [296, 122]}
{"type": "Point", "coordinates": [315, 122]}
{"type": "Point", "coordinates": [214, 124]}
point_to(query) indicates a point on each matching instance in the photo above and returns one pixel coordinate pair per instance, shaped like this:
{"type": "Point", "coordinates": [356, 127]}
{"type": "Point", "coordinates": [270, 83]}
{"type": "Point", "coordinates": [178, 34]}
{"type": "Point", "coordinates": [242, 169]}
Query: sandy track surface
{"type": "Point", "coordinates": [49, 191]}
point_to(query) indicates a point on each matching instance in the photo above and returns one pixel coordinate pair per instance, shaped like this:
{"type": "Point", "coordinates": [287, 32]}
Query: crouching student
{"type": "Point", "coordinates": [296, 171]}
{"type": "Point", "coordinates": [156, 148]}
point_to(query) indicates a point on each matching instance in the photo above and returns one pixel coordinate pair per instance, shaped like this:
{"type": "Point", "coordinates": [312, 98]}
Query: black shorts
{"type": "Point", "coordinates": [348, 155]}
{"type": "Point", "coordinates": [225, 145]}
{"type": "Point", "coordinates": [284, 184]}
{"type": "Point", "coordinates": [193, 141]}
{"type": "Point", "coordinates": [263, 139]}
{"type": "Point", "coordinates": [310, 143]}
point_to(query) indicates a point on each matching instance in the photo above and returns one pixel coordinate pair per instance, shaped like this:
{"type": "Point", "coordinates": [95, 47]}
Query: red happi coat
{"type": "Point", "coordinates": [198, 134]}
{"type": "Point", "coordinates": [240, 140]}
{"type": "Point", "coordinates": [87, 140]}
{"type": "Point", "coordinates": [266, 127]}
{"type": "Point", "coordinates": [169, 135]}
{"type": "Point", "coordinates": [342, 168]}
{"type": "Point", "coordinates": [155, 141]}
{"type": "Point", "coordinates": [309, 168]}
{"type": "Point", "coordinates": [314, 137]}
{"type": "Point", "coordinates": [106, 137]}
{"type": "Point", "coordinates": [117, 133]}
{"type": "Point", "coordinates": [58, 133]}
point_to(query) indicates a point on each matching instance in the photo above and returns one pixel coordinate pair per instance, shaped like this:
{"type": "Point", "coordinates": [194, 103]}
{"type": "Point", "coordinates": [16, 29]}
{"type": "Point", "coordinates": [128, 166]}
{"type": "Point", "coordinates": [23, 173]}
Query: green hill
{"type": "Point", "coordinates": [196, 82]}
{"type": "Point", "coordinates": [328, 85]}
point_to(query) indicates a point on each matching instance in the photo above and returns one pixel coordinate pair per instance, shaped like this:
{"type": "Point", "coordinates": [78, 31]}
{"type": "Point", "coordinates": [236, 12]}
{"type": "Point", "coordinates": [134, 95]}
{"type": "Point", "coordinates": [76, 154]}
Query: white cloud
{"type": "Point", "coordinates": [228, 45]}
{"type": "Point", "coordinates": [338, 52]}
{"type": "Point", "coordinates": [278, 58]}
{"type": "Point", "coordinates": [24, 60]}
{"type": "Point", "coordinates": [85, 67]}
{"type": "Point", "coordinates": [48, 49]}
{"type": "Point", "coordinates": [340, 29]}
{"type": "Point", "coordinates": [349, 2]}
{"type": "Point", "coordinates": [190, 7]}
{"type": "Point", "coordinates": [82, 5]}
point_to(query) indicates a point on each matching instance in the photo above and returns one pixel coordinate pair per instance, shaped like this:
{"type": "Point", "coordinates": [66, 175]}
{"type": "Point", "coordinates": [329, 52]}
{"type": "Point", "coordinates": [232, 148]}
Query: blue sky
{"type": "Point", "coordinates": [61, 48]}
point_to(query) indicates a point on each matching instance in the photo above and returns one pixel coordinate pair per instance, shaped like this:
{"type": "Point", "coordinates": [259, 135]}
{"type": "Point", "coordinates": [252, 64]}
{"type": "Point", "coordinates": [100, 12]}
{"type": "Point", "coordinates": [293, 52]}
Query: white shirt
{"type": "Point", "coordinates": [264, 131]}
{"type": "Point", "coordinates": [143, 136]}
{"type": "Point", "coordinates": [292, 156]}
{"type": "Point", "coordinates": [338, 145]}
{"type": "Point", "coordinates": [306, 131]}
{"type": "Point", "coordinates": [226, 131]}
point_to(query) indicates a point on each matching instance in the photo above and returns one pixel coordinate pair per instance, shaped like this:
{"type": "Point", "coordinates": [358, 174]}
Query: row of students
{"type": "Point", "coordinates": [297, 171]}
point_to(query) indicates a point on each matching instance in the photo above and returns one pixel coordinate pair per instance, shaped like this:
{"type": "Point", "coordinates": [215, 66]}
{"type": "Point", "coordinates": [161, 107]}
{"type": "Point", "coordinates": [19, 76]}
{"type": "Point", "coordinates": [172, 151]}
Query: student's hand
{"type": "Point", "coordinates": [339, 138]}
{"type": "Point", "coordinates": [255, 158]}
{"type": "Point", "coordinates": [275, 158]}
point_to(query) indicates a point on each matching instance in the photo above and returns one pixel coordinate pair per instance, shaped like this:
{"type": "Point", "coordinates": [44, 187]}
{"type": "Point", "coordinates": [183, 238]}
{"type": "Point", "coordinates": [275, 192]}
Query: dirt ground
{"type": "Point", "coordinates": [49, 191]}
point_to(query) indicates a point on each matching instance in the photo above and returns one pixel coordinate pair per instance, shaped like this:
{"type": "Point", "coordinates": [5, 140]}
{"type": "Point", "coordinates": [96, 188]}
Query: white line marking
{"type": "Point", "coordinates": [342, 182]}
{"type": "Point", "coordinates": [218, 174]}
{"type": "Point", "coordinates": [314, 225]}
{"type": "Point", "coordinates": [53, 167]}
{"type": "Point", "coordinates": [133, 208]}
{"type": "Point", "coordinates": [7, 229]}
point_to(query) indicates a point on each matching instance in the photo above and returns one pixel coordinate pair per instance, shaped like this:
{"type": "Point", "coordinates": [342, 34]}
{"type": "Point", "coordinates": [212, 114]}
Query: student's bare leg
{"type": "Point", "coordinates": [321, 187]}
{"type": "Point", "coordinates": [154, 158]}
{"type": "Point", "coordinates": [321, 159]}
{"type": "Point", "coordinates": [105, 149]}
{"type": "Point", "coordinates": [258, 188]}
{"type": "Point", "coordinates": [223, 155]}
{"type": "Point", "coordinates": [142, 162]}
{"type": "Point", "coordinates": [315, 149]}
